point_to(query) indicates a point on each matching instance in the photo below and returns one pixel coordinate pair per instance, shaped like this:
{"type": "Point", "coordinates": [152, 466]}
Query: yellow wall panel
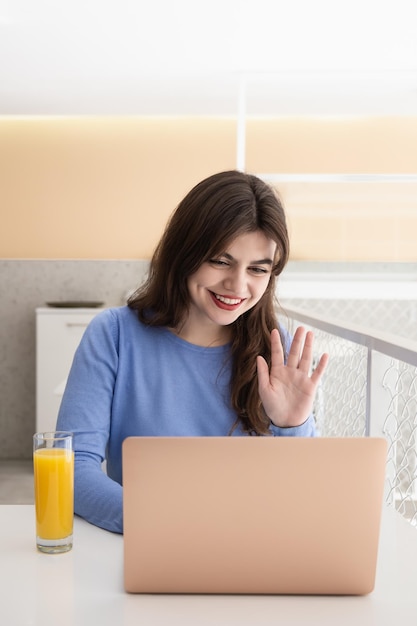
{"type": "Point", "coordinates": [104, 187]}
{"type": "Point", "coordinates": [324, 249]}
{"type": "Point", "coordinates": [407, 230]}
{"type": "Point", "coordinates": [371, 227]}
{"type": "Point", "coordinates": [362, 250]}
{"type": "Point", "coordinates": [101, 188]}
{"type": "Point", "coordinates": [407, 251]}
{"type": "Point", "coordinates": [317, 238]}
{"type": "Point", "coordinates": [332, 145]}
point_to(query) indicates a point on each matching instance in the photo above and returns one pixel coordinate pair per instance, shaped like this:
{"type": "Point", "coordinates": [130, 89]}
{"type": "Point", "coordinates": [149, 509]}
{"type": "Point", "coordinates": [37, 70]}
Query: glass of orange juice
{"type": "Point", "coordinates": [53, 465]}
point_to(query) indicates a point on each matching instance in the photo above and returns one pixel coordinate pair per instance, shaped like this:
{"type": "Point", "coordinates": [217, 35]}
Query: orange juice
{"type": "Point", "coordinates": [54, 492]}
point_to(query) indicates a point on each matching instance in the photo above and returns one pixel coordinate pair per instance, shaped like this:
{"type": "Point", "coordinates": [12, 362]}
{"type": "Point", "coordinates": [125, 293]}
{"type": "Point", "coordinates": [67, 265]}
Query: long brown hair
{"type": "Point", "coordinates": [211, 215]}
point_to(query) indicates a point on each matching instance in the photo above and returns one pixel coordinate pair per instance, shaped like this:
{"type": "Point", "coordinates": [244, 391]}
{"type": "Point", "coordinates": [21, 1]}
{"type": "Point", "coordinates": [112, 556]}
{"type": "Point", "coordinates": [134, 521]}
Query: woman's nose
{"type": "Point", "coordinates": [235, 282]}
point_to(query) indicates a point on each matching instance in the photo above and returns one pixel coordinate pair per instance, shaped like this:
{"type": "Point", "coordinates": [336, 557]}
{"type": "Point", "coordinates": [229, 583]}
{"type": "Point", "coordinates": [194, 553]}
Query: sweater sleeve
{"type": "Point", "coordinates": [307, 429]}
{"type": "Point", "coordinates": [86, 411]}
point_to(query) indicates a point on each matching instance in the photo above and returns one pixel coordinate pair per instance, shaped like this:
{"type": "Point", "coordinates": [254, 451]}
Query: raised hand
{"type": "Point", "coordinates": [287, 390]}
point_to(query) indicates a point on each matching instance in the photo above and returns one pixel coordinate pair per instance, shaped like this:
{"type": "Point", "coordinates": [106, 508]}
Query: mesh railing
{"type": "Point", "coordinates": [399, 427]}
{"type": "Point", "coordinates": [370, 388]}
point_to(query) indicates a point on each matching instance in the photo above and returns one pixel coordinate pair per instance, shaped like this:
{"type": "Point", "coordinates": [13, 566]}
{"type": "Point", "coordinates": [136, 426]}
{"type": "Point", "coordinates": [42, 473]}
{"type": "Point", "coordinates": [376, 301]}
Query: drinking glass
{"type": "Point", "coordinates": [53, 464]}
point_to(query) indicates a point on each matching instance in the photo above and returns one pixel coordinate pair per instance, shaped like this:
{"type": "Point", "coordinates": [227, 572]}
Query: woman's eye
{"type": "Point", "coordinates": [218, 262]}
{"type": "Point", "coordinates": [259, 270]}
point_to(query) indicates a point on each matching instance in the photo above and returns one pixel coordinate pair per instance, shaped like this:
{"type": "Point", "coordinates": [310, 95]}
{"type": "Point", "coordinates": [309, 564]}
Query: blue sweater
{"type": "Point", "coordinates": [131, 379]}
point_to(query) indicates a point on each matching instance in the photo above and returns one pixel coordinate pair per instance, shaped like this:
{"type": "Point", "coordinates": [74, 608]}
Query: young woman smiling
{"type": "Point", "coordinates": [198, 351]}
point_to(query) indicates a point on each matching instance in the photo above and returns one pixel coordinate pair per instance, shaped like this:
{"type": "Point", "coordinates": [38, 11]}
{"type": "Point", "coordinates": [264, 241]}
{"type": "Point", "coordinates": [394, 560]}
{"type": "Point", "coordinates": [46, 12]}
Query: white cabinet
{"type": "Point", "coordinates": [58, 333]}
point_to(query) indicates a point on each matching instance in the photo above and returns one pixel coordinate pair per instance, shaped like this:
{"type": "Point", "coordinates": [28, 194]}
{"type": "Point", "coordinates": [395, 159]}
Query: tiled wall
{"type": "Point", "coordinates": [24, 286]}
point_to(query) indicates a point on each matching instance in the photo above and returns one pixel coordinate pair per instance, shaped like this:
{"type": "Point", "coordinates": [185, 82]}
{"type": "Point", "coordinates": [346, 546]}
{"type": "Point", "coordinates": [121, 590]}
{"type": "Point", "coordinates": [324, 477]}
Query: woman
{"type": "Point", "coordinates": [197, 351]}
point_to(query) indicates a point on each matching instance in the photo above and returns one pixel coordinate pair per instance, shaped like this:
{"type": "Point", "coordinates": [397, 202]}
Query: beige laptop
{"type": "Point", "coordinates": [259, 515]}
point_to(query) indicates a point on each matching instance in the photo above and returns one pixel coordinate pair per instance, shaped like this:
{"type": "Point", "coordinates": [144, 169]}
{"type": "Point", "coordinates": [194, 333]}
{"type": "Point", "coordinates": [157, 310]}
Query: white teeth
{"type": "Point", "coordinates": [228, 300]}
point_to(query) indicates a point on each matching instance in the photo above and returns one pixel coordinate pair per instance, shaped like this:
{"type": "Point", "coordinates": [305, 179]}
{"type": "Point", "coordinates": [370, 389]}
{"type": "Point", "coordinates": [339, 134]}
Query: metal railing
{"type": "Point", "coordinates": [369, 389]}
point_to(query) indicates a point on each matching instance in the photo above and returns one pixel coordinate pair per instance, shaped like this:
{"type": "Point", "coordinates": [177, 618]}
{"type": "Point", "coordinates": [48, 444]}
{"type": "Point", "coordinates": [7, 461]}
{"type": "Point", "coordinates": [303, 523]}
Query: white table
{"type": "Point", "coordinates": [84, 587]}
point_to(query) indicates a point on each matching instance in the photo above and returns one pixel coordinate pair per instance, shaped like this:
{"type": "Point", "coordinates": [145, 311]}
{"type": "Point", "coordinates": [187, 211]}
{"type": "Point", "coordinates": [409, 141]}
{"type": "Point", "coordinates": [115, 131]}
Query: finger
{"type": "Point", "coordinates": [306, 358]}
{"type": "Point", "coordinates": [320, 369]}
{"type": "Point", "coordinates": [296, 346]}
{"type": "Point", "coordinates": [263, 372]}
{"type": "Point", "coordinates": [277, 351]}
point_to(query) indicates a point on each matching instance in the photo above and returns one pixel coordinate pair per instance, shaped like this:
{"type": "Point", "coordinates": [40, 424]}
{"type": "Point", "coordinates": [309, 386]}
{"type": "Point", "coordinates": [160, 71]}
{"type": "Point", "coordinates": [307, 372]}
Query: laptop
{"type": "Point", "coordinates": [252, 515]}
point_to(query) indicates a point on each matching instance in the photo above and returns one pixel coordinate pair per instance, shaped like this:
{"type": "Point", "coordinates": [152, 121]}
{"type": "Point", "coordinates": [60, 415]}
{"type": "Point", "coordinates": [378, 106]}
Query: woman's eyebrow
{"type": "Point", "coordinates": [260, 262]}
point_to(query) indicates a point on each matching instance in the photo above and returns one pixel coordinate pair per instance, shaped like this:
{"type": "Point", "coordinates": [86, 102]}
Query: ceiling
{"type": "Point", "coordinates": [188, 57]}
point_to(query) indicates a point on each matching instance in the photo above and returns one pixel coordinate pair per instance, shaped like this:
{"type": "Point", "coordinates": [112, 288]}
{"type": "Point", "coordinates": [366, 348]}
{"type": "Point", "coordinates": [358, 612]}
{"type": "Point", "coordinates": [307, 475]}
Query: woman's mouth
{"type": "Point", "coordinates": [225, 302]}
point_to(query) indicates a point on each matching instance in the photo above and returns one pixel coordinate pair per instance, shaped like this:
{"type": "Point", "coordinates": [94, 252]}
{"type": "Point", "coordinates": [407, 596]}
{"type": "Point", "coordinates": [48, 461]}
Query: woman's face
{"type": "Point", "coordinates": [227, 286]}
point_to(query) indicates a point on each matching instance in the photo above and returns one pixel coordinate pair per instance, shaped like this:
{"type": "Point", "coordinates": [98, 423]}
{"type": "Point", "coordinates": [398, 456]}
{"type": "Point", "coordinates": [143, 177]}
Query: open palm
{"type": "Point", "coordinates": [287, 391]}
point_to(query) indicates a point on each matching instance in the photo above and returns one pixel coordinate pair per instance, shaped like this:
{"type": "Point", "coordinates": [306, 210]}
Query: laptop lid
{"type": "Point", "coordinates": [277, 515]}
